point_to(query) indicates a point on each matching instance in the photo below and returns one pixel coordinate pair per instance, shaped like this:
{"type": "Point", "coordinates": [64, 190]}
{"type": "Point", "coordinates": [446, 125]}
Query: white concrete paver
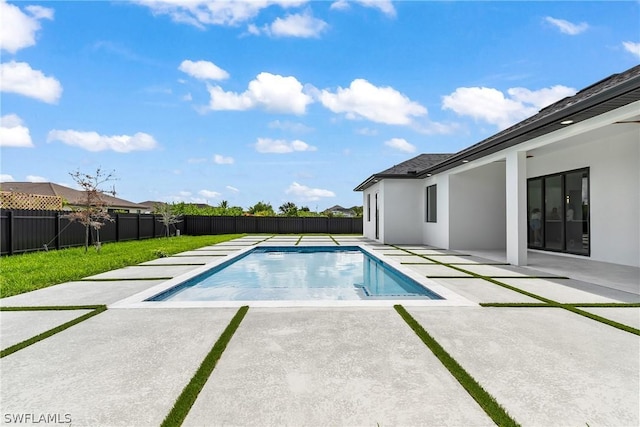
{"type": "Point", "coordinates": [436, 270]}
{"type": "Point", "coordinates": [479, 290]}
{"type": "Point", "coordinates": [545, 366]}
{"type": "Point", "coordinates": [17, 326]}
{"type": "Point", "coordinates": [629, 316]}
{"type": "Point", "coordinates": [145, 272]}
{"type": "Point", "coordinates": [80, 293]}
{"type": "Point", "coordinates": [409, 259]}
{"type": "Point", "coordinates": [121, 367]}
{"type": "Point", "coordinates": [331, 367]}
{"type": "Point", "coordinates": [496, 271]}
{"type": "Point", "coordinates": [183, 260]}
{"type": "Point", "coordinates": [555, 290]}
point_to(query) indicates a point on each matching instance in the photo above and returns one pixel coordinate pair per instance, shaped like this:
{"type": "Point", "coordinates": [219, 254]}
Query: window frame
{"type": "Point", "coordinates": [431, 204]}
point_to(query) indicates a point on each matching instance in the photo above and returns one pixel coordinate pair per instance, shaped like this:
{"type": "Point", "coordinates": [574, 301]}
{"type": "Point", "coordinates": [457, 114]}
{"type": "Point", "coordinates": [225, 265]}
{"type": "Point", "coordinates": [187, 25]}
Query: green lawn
{"type": "Point", "coordinates": [36, 270]}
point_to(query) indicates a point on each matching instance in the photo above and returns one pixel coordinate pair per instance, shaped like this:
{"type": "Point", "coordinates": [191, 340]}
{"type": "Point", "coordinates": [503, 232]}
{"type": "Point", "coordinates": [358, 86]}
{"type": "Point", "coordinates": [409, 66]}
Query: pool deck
{"type": "Point", "coordinates": [327, 365]}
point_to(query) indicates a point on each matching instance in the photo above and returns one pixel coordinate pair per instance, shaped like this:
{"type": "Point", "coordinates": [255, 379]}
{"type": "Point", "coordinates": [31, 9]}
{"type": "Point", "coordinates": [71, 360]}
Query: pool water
{"type": "Point", "coordinates": [298, 273]}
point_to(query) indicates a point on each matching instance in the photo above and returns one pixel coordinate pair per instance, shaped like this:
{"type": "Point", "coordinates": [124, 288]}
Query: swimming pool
{"type": "Point", "coordinates": [298, 273]}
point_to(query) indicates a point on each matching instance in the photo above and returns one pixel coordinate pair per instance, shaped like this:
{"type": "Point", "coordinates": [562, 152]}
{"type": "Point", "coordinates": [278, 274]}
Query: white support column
{"type": "Point", "coordinates": [516, 175]}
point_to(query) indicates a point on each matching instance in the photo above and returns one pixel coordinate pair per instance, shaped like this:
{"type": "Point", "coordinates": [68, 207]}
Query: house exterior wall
{"type": "Point", "coordinates": [614, 165]}
{"type": "Point", "coordinates": [477, 213]}
{"type": "Point", "coordinates": [403, 205]}
{"type": "Point", "coordinates": [369, 212]}
{"type": "Point", "coordinates": [437, 233]}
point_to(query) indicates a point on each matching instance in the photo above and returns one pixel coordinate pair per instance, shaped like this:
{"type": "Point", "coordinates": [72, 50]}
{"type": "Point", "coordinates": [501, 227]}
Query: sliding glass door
{"type": "Point", "coordinates": [558, 209]}
{"type": "Point", "coordinates": [577, 212]}
{"type": "Point", "coordinates": [553, 223]}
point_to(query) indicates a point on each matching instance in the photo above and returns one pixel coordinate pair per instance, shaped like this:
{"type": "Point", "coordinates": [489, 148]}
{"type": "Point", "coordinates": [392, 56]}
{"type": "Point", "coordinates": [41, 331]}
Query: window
{"type": "Point", "coordinates": [431, 206]}
{"type": "Point", "coordinates": [369, 207]}
{"type": "Point", "coordinates": [558, 212]}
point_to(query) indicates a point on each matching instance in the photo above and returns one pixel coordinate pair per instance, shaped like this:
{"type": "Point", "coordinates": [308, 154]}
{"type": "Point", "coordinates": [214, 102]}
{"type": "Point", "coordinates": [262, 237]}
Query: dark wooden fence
{"type": "Point", "coordinates": [29, 230]}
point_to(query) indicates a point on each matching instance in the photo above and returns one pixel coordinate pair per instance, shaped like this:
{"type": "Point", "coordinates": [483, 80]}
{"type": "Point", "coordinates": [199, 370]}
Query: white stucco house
{"type": "Point", "coordinates": [566, 180]}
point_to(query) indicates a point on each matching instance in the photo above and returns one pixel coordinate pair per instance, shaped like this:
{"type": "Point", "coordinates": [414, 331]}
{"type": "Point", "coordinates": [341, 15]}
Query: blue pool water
{"type": "Point", "coordinates": [298, 273]}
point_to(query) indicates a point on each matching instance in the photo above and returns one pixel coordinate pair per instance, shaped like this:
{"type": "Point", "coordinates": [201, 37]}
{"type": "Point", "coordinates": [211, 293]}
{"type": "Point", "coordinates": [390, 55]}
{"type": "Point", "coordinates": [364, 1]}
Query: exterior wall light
{"type": "Point", "coordinates": [566, 122]}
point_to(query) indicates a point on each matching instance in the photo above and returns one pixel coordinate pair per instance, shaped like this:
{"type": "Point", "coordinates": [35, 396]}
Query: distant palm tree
{"type": "Point", "coordinates": [223, 204]}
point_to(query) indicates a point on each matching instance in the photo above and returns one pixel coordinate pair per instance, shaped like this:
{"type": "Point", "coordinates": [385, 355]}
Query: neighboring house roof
{"type": "Point", "coordinates": [338, 208]}
{"type": "Point", "coordinates": [151, 203]}
{"type": "Point", "coordinates": [71, 196]}
{"type": "Point", "coordinates": [606, 95]}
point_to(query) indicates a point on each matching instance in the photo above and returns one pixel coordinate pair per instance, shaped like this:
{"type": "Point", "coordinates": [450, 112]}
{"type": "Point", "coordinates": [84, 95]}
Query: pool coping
{"type": "Point", "coordinates": [450, 298]}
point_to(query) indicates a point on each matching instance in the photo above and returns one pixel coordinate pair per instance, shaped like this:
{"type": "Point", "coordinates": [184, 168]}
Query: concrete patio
{"type": "Point", "coordinates": [326, 365]}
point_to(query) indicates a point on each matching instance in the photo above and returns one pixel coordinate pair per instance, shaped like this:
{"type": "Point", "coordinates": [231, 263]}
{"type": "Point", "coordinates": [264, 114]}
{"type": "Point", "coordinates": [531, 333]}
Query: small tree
{"type": "Point", "coordinates": [262, 209]}
{"type": "Point", "coordinates": [92, 210]}
{"type": "Point", "coordinates": [289, 209]}
{"type": "Point", "coordinates": [167, 214]}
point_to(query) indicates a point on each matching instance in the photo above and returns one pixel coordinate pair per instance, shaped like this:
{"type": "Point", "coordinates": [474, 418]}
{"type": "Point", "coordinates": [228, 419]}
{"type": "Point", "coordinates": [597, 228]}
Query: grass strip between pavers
{"type": "Point", "coordinates": [298, 241]}
{"type": "Point", "coordinates": [479, 394]}
{"type": "Point", "coordinates": [97, 309]}
{"type": "Point", "coordinates": [569, 307]}
{"type": "Point", "coordinates": [573, 304]}
{"type": "Point", "coordinates": [190, 392]}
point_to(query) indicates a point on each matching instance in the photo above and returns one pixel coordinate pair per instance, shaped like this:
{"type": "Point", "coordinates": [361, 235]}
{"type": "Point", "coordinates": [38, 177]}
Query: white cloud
{"type": "Point", "coordinates": [289, 126]}
{"type": "Point", "coordinates": [222, 160]}
{"type": "Point", "coordinates": [13, 133]}
{"type": "Point", "coordinates": [298, 25]}
{"type": "Point", "coordinates": [378, 104]}
{"type": "Point", "coordinates": [195, 160]}
{"type": "Point", "coordinates": [385, 6]}
{"type": "Point", "coordinates": [270, 92]}
{"type": "Point", "coordinates": [18, 29]}
{"type": "Point", "coordinates": [632, 47]}
{"type": "Point", "coordinates": [400, 144]}
{"type": "Point", "coordinates": [230, 188]}
{"type": "Point", "coordinates": [280, 146]}
{"type": "Point", "coordinates": [20, 78]}
{"type": "Point", "coordinates": [540, 98]}
{"type": "Point", "coordinates": [308, 194]}
{"type": "Point", "coordinates": [567, 27]}
{"type": "Point", "coordinates": [203, 70]}
{"type": "Point", "coordinates": [6, 178]}
{"type": "Point", "coordinates": [201, 13]}
{"type": "Point", "coordinates": [92, 141]}
{"type": "Point", "coordinates": [209, 194]}
{"type": "Point", "coordinates": [36, 178]}
{"type": "Point", "coordinates": [367, 131]}
{"type": "Point", "coordinates": [187, 97]}
{"type": "Point", "coordinates": [492, 106]}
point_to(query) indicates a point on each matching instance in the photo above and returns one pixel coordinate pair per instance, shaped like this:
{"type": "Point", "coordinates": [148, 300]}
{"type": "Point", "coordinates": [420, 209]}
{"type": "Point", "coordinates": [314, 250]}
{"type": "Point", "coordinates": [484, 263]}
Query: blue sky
{"type": "Point", "coordinates": [278, 101]}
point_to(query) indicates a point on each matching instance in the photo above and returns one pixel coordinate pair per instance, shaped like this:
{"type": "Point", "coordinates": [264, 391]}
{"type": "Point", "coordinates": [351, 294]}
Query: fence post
{"type": "Point", "coordinates": [138, 230]}
{"type": "Point", "coordinates": [11, 231]}
{"type": "Point", "coordinates": [153, 219]}
{"type": "Point", "coordinates": [117, 227]}
{"type": "Point", "coordinates": [56, 230]}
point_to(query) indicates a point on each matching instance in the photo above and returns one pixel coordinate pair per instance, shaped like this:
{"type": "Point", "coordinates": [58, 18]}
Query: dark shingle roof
{"type": "Point", "coordinates": [407, 169]}
{"type": "Point", "coordinates": [417, 164]}
{"type": "Point", "coordinates": [606, 95]}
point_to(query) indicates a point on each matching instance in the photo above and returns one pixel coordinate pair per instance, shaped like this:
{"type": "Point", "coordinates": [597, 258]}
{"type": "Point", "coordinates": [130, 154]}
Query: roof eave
{"type": "Point", "coordinates": [374, 179]}
{"type": "Point", "coordinates": [552, 121]}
